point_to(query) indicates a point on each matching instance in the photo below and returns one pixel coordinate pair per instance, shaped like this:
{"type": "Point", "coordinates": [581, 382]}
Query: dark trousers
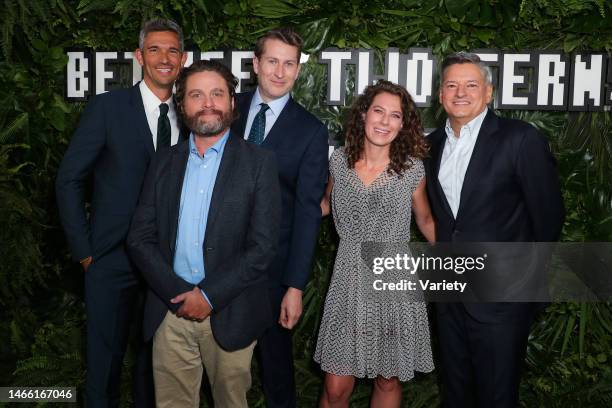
{"type": "Point", "coordinates": [113, 300]}
{"type": "Point", "coordinates": [274, 352]}
{"type": "Point", "coordinates": [481, 362]}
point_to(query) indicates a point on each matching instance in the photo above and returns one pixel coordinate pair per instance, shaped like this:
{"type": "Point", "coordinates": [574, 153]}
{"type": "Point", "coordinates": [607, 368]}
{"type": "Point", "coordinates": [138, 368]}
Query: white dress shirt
{"type": "Point", "coordinates": [151, 107]}
{"type": "Point", "coordinates": [276, 107]}
{"type": "Point", "coordinates": [456, 157]}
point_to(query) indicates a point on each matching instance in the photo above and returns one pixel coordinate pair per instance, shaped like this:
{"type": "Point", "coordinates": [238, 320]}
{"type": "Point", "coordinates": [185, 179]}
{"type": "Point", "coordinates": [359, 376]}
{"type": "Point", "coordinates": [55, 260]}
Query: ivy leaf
{"type": "Point", "coordinates": [57, 119]}
{"type": "Point", "coordinates": [39, 45]}
{"type": "Point", "coordinates": [315, 34]}
{"type": "Point", "coordinates": [457, 8]}
{"type": "Point", "coordinates": [273, 8]}
{"type": "Point", "coordinates": [484, 35]}
{"type": "Point", "coordinates": [60, 103]}
{"type": "Point", "coordinates": [401, 13]}
{"type": "Point", "coordinates": [571, 42]}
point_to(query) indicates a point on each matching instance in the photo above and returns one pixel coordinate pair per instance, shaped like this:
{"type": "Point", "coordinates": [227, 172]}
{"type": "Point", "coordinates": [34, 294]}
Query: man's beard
{"type": "Point", "coordinates": [211, 127]}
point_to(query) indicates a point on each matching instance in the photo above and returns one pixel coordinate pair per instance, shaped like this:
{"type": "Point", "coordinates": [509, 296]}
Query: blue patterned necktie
{"type": "Point", "coordinates": [258, 128]}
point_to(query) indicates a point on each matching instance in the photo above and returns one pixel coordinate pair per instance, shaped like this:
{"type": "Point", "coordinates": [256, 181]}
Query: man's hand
{"type": "Point", "coordinates": [85, 263]}
{"type": "Point", "coordinates": [194, 306]}
{"type": "Point", "coordinates": [291, 308]}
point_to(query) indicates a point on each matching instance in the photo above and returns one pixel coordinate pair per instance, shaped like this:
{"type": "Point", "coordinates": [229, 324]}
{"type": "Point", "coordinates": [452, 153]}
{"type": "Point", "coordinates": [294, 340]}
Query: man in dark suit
{"type": "Point", "coordinates": [204, 234]}
{"type": "Point", "coordinates": [115, 139]}
{"type": "Point", "coordinates": [489, 179]}
{"type": "Point", "coordinates": [272, 119]}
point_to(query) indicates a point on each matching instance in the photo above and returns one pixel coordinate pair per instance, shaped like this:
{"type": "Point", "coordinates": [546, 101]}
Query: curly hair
{"type": "Point", "coordinates": [409, 142]}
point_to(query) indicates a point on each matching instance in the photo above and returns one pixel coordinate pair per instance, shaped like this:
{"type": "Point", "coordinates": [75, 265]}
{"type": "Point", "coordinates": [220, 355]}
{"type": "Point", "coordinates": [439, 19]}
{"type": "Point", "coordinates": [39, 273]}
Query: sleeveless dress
{"type": "Point", "coordinates": [362, 334]}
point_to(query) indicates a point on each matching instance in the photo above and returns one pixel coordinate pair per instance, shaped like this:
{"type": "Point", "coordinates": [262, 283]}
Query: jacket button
{"type": "Point", "coordinates": [210, 249]}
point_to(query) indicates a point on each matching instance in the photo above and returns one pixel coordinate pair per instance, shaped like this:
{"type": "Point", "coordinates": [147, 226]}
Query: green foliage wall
{"type": "Point", "coordinates": [41, 310]}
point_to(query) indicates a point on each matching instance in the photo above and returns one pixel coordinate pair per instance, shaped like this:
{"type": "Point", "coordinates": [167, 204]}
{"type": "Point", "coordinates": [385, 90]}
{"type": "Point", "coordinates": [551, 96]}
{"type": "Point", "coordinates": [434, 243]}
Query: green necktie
{"type": "Point", "coordinates": [163, 127]}
{"type": "Point", "coordinates": [258, 128]}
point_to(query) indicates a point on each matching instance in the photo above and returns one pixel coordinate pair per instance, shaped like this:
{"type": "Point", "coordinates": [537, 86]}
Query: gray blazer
{"type": "Point", "coordinates": [241, 240]}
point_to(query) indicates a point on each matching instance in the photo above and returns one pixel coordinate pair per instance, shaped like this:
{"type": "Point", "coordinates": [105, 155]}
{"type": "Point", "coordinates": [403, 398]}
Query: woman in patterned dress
{"type": "Point", "coordinates": [376, 182]}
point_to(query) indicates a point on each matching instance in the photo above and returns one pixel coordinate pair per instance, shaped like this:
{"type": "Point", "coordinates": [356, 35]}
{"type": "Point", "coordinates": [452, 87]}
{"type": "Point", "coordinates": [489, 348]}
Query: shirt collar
{"type": "Point", "coordinates": [150, 100]}
{"type": "Point", "coordinates": [276, 106]}
{"type": "Point", "coordinates": [218, 147]}
{"type": "Point", "coordinates": [470, 129]}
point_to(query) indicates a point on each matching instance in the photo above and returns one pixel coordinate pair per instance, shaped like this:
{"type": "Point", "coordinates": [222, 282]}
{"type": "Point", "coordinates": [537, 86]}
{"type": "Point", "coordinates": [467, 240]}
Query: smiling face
{"type": "Point", "coordinates": [161, 60]}
{"type": "Point", "coordinates": [208, 106]}
{"type": "Point", "coordinates": [383, 120]}
{"type": "Point", "coordinates": [277, 69]}
{"type": "Point", "coordinates": [464, 93]}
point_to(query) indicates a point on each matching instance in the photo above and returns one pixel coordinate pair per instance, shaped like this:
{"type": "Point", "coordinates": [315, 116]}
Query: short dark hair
{"type": "Point", "coordinates": [284, 34]}
{"type": "Point", "coordinates": [463, 57]}
{"type": "Point", "coordinates": [202, 66]}
{"type": "Point", "coordinates": [158, 25]}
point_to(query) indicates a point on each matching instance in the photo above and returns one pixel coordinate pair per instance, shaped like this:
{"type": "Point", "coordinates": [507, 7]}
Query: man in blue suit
{"type": "Point", "coordinates": [272, 119]}
{"type": "Point", "coordinates": [116, 137]}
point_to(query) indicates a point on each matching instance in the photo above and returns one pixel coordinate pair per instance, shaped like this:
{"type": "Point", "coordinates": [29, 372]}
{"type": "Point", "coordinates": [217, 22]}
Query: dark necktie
{"type": "Point", "coordinates": [258, 128]}
{"type": "Point", "coordinates": [163, 127]}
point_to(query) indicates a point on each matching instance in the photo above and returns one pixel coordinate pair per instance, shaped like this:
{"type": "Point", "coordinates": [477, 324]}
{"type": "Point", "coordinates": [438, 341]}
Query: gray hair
{"type": "Point", "coordinates": [463, 57]}
{"type": "Point", "coordinates": [157, 25]}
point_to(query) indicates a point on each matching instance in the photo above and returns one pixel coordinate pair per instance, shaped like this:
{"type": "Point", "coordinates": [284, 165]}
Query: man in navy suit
{"type": "Point", "coordinates": [271, 118]}
{"type": "Point", "coordinates": [489, 179]}
{"type": "Point", "coordinates": [116, 137]}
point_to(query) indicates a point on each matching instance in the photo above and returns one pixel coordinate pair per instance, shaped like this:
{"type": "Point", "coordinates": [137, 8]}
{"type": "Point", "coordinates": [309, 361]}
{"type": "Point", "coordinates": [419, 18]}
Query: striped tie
{"type": "Point", "coordinates": [258, 128]}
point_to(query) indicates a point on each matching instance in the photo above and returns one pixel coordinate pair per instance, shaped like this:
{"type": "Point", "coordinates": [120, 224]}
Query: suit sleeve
{"type": "Point", "coordinates": [250, 267]}
{"type": "Point", "coordinates": [143, 241]}
{"type": "Point", "coordinates": [541, 189]}
{"type": "Point", "coordinates": [76, 166]}
{"type": "Point", "coordinates": [312, 175]}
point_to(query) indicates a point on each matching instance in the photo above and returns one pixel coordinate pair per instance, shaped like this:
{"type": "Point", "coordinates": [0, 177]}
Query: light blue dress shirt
{"type": "Point", "coordinates": [456, 157]}
{"type": "Point", "coordinates": [198, 184]}
{"type": "Point", "coordinates": [276, 107]}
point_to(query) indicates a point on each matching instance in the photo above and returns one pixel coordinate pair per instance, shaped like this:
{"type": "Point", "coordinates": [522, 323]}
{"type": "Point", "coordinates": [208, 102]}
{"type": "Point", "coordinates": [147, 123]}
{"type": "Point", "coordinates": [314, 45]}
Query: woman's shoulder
{"type": "Point", "coordinates": [415, 166]}
{"type": "Point", "coordinates": [338, 156]}
{"type": "Point", "coordinates": [337, 162]}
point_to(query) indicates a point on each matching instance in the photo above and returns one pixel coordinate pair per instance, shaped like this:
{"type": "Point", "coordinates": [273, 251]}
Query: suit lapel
{"type": "Point", "coordinates": [437, 147]}
{"type": "Point", "coordinates": [140, 117]}
{"type": "Point", "coordinates": [243, 102]}
{"type": "Point", "coordinates": [178, 165]}
{"type": "Point", "coordinates": [479, 162]}
{"type": "Point", "coordinates": [281, 127]}
{"type": "Point", "coordinates": [285, 120]}
{"type": "Point", "coordinates": [224, 174]}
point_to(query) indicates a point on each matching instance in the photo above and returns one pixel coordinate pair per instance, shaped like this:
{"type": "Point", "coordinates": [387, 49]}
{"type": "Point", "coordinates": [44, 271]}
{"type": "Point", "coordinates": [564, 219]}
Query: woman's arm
{"type": "Point", "coordinates": [422, 212]}
{"type": "Point", "coordinates": [325, 201]}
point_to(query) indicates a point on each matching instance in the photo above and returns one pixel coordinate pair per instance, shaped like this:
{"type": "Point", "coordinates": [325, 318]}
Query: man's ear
{"type": "Point", "coordinates": [299, 67]}
{"type": "Point", "coordinates": [184, 59]}
{"type": "Point", "coordinates": [256, 65]}
{"type": "Point", "coordinates": [489, 93]}
{"type": "Point", "coordinates": [139, 57]}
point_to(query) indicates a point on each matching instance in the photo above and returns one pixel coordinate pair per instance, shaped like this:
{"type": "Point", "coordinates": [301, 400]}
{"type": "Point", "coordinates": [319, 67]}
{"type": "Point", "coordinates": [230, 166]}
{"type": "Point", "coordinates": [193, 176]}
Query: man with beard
{"type": "Point", "coordinates": [116, 138]}
{"type": "Point", "coordinates": [204, 234]}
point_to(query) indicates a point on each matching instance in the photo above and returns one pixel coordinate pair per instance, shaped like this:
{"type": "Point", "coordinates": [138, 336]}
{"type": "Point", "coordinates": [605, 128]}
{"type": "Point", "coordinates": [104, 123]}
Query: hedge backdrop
{"type": "Point", "coordinates": [41, 291]}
